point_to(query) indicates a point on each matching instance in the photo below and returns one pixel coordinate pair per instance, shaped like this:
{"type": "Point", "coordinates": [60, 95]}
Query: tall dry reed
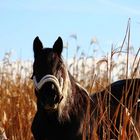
{"type": "Point", "coordinates": [17, 99]}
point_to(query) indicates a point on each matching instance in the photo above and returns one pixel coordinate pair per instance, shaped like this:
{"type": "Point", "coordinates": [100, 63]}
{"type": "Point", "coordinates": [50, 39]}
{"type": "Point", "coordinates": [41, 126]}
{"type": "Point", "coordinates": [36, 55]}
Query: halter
{"type": "Point", "coordinates": [49, 78]}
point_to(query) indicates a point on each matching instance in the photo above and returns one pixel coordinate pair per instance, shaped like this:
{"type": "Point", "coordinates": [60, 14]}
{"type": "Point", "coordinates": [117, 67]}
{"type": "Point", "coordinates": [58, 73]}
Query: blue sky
{"type": "Point", "coordinates": [23, 20]}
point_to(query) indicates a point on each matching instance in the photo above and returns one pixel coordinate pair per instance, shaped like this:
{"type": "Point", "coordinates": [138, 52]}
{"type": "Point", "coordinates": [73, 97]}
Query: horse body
{"type": "Point", "coordinates": [108, 105]}
{"type": "Point", "coordinates": [47, 126]}
{"type": "Point", "coordinates": [64, 109]}
{"type": "Point", "coordinates": [124, 92]}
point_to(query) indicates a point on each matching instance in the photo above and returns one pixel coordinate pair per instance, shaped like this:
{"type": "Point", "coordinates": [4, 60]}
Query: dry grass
{"type": "Point", "coordinates": [17, 101]}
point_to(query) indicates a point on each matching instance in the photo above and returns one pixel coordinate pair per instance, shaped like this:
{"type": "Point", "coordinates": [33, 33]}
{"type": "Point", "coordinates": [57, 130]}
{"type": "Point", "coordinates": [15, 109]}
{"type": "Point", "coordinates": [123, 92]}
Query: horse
{"type": "Point", "coordinates": [61, 101]}
{"type": "Point", "coordinates": [65, 110]}
{"type": "Point", "coordinates": [117, 109]}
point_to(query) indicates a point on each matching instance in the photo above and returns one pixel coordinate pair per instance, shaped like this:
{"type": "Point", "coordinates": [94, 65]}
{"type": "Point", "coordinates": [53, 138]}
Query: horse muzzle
{"type": "Point", "coordinates": [50, 90]}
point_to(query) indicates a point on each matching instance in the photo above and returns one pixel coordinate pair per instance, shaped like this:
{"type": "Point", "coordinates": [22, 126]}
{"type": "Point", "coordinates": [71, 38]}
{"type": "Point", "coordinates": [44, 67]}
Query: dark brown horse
{"type": "Point", "coordinates": [61, 102]}
{"type": "Point", "coordinates": [65, 111]}
{"type": "Point", "coordinates": [117, 109]}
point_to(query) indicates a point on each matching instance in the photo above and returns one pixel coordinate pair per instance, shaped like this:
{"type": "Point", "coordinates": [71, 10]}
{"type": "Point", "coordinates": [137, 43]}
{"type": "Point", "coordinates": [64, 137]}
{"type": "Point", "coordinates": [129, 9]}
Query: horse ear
{"type": "Point", "coordinates": [58, 46]}
{"type": "Point", "coordinates": [37, 46]}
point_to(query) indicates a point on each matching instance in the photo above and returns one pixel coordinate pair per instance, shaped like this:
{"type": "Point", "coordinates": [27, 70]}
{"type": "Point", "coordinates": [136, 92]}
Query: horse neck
{"type": "Point", "coordinates": [81, 96]}
{"type": "Point", "coordinates": [75, 102]}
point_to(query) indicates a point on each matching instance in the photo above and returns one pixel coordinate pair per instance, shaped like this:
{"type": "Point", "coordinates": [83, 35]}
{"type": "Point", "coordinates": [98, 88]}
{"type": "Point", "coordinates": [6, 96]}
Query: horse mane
{"type": "Point", "coordinates": [76, 102]}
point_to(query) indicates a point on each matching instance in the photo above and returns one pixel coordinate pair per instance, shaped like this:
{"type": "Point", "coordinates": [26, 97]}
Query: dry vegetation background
{"type": "Point", "coordinates": [17, 99]}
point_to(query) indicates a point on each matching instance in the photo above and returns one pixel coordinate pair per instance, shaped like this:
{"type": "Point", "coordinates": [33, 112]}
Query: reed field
{"type": "Point", "coordinates": [17, 98]}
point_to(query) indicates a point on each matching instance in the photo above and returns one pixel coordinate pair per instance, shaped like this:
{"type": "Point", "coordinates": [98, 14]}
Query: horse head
{"type": "Point", "coordinates": [50, 76]}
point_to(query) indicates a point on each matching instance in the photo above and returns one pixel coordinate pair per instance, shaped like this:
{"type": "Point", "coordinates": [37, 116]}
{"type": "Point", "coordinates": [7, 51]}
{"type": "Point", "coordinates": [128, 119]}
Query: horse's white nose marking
{"type": "Point", "coordinates": [52, 86]}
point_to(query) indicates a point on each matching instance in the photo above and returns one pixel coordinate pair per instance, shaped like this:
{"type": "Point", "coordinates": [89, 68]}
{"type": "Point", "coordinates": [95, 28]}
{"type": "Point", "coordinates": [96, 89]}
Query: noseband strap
{"type": "Point", "coordinates": [49, 78]}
